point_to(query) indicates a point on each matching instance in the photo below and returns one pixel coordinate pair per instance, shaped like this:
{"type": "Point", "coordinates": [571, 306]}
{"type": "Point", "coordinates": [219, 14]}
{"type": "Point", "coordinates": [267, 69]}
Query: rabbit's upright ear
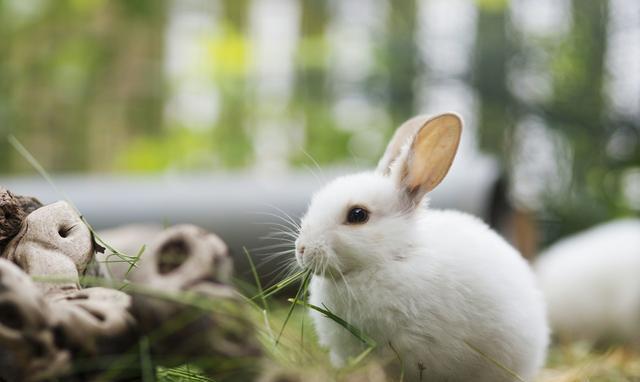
{"type": "Point", "coordinates": [421, 166]}
{"type": "Point", "coordinates": [401, 137]}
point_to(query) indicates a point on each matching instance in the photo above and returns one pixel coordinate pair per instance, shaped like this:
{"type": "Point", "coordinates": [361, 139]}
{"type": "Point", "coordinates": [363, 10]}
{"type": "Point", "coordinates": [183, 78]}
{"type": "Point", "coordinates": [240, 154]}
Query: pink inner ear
{"type": "Point", "coordinates": [402, 135]}
{"type": "Point", "coordinates": [432, 153]}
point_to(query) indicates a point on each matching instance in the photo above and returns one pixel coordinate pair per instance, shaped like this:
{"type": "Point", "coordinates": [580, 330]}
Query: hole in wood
{"type": "Point", "coordinates": [172, 255]}
{"type": "Point", "coordinates": [10, 316]}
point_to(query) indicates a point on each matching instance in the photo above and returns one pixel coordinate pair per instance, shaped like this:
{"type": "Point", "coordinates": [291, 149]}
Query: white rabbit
{"type": "Point", "coordinates": [438, 290]}
{"type": "Point", "coordinates": [591, 282]}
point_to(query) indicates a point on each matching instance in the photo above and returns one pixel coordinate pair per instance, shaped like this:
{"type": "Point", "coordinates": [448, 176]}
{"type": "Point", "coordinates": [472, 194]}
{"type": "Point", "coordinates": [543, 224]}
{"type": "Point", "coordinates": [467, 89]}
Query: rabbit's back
{"type": "Point", "coordinates": [491, 286]}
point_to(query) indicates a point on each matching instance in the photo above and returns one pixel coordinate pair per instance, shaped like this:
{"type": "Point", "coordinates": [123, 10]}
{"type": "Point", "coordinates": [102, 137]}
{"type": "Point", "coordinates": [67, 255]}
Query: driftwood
{"type": "Point", "coordinates": [13, 210]}
{"type": "Point", "coordinates": [53, 242]}
{"type": "Point", "coordinates": [178, 308]}
{"type": "Point", "coordinates": [41, 337]}
{"type": "Point", "coordinates": [193, 264]}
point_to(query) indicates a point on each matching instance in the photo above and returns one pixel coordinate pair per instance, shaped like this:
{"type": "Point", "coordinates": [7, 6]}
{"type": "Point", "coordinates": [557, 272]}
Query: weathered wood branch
{"type": "Point", "coordinates": [13, 210]}
{"type": "Point", "coordinates": [179, 303]}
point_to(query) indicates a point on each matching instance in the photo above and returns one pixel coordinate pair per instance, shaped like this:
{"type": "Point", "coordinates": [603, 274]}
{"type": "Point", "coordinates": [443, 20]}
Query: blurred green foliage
{"type": "Point", "coordinates": [77, 78]}
{"type": "Point", "coordinates": [83, 84]}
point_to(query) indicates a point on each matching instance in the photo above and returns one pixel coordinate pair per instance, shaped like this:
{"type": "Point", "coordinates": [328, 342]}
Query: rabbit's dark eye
{"type": "Point", "coordinates": [357, 215]}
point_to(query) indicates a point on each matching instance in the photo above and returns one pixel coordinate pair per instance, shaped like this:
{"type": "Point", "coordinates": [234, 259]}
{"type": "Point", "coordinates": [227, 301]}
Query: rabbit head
{"type": "Point", "coordinates": [362, 220]}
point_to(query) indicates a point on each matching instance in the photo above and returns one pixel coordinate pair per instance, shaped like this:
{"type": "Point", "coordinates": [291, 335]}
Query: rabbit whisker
{"type": "Point", "coordinates": [289, 223]}
{"type": "Point", "coordinates": [289, 218]}
{"type": "Point", "coordinates": [315, 162]}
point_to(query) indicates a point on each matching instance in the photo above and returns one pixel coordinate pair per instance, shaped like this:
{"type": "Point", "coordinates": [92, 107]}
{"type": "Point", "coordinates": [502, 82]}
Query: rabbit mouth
{"type": "Point", "coordinates": [318, 261]}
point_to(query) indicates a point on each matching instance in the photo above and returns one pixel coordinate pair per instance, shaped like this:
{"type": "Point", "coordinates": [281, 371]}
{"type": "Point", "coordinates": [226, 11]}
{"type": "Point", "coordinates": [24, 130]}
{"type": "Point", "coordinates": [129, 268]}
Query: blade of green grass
{"type": "Point", "coordinates": [356, 361]}
{"type": "Point", "coordinates": [304, 300]}
{"type": "Point", "coordinates": [301, 291]}
{"type": "Point", "coordinates": [35, 164]}
{"type": "Point", "coordinates": [265, 306]}
{"type": "Point", "coordinates": [131, 260]}
{"type": "Point", "coordinates": [136, 259]}
{"type": "Point", "coordinates": [182, 373]}
{"type": "Point", "coordinates": [332, 316]}
{"type": "Point", "coordinates": [494, 361]}
{"type": "Point", "coordinates": [145, 361]}
{"type": "Point", "coordinates": [19, 147]}
{"type": "Point", "coordinates": [256, 278]}
{"type": "Point", "coordinates": [280, 285]}
{"type": "Point", "coordinates": [399, 359]}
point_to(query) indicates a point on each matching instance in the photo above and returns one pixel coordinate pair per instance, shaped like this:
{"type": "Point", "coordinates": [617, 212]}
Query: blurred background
{"type": "Point", "coordinates": [204, 106]}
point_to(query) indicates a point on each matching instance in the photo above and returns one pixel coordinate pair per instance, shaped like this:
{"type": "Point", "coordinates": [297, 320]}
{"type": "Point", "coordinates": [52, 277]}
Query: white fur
{"type": "Point", "coordinates": [591, 282]}
{"type": "Point", "coordinates": [432, 283]}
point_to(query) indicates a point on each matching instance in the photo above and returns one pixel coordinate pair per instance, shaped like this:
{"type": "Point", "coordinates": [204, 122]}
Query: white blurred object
{"type": "Point", "coordinates": [591, 282]}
